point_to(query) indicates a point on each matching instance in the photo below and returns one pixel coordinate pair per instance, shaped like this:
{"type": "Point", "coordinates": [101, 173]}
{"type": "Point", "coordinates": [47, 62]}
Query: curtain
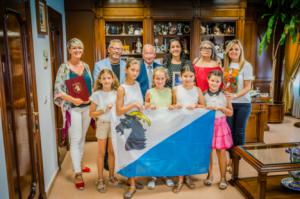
{"type": "Point", "coordinates": [296, 91]}
{"type": "Point", "coordinates": [292, 63]}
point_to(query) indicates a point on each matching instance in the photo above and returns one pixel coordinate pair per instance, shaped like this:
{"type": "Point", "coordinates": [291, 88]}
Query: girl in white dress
{"type": "Point", "coordinates": [188, 96]}
{"type": "Point", "coordinates": [130, 98]}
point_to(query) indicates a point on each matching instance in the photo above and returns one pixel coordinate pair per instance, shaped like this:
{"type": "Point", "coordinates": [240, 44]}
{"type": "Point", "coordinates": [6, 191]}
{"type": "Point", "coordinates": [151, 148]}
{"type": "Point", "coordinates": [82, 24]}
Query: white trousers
{"type": "Point", "coordinates": [80, 122]}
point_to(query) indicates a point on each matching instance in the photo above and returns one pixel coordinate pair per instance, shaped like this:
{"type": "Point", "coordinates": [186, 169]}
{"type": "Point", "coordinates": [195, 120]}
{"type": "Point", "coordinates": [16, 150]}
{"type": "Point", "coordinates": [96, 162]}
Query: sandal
{"type": "Point", "coordinates": [189, 182]}
{"type": "Point", "coordinates": [151, 183]}
{"type": "Point", "coordinates": [130, 192]}
{"type": "Point", "coordinates": [208, 181]}
{"type": "Point", "coordinates": [101, 187]}
{"type": "Point", "coordinates": [177, 188]}
{"type": "Point", "coordinates": [223, 184]}
{"type": "Point", "coordinates": [113, 181]}
{"type": "Point", "coordinates": [79, 183]}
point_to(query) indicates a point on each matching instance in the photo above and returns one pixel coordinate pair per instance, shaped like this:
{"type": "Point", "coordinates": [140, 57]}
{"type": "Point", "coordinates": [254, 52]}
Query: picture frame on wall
{"type": "Point", "coordinates": [41, 16]}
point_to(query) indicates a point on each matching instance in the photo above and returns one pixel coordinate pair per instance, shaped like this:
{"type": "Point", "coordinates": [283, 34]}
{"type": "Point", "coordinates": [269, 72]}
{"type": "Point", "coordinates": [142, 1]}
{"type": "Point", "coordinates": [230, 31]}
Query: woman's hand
{"type": "Point", "coordinates": [77, 101]}
{"type": "Point", "coordinates": [109, 106]}
{"type": "Point", "coordinates": [230, 96]}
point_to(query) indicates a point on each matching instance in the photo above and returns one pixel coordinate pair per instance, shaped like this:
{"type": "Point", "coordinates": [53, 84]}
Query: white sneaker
{"type": "Point", "coordinates": [169, 182]}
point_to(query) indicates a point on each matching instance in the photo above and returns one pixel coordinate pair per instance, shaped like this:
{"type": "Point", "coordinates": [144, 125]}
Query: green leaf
{"type": "Point", "coordinates": [269, 3]}
{"type": "Point", "coordinates": [282, 38]}
{"type": "Point", "coordinates": [295, 3]}
{"type": "Point", "coordinates": [265, 15]}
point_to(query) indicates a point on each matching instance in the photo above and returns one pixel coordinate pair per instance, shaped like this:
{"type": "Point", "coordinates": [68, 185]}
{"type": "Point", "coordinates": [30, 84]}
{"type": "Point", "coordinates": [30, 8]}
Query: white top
{"type": "Point", "coordinates": [245, 74]}
{"type": "Point", "coordinates": [185, 96]}
{"type": "Point", "coordinates": [102, 99]}
{"type": "Point", "coordinates": [133, 94]}
{"type": "Point", "coordinates": [219, 100]}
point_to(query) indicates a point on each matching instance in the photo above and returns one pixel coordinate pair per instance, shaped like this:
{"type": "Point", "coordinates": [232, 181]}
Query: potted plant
{"type": "Point", "coordinates": [283, 18]}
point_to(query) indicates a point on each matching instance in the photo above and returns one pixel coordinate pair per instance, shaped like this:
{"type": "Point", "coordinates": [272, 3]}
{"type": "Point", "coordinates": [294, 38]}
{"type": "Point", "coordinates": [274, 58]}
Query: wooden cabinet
{"type": "Point", "coordinates": [219, 33]}
{"type": "Point", "coordinates": [257, 123]}
{"type": "Point", "coordinates": [130, 33]}
{"type": "Point", "coordinates": [164, 31]}
{"type": "Point", "coordinates": [276, 113]}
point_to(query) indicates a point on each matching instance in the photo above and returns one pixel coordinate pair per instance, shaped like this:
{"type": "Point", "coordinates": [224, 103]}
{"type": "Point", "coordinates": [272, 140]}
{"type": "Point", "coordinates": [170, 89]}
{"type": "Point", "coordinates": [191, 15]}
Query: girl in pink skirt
{"type": "Point", "coordinates": [222, 140]}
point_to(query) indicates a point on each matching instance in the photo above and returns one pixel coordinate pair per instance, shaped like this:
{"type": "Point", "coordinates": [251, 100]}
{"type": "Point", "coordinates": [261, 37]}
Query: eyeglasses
{"type": "Point", "coordinates": [205, 48]}
{"type": "Point", "coordinates": [116, 49]}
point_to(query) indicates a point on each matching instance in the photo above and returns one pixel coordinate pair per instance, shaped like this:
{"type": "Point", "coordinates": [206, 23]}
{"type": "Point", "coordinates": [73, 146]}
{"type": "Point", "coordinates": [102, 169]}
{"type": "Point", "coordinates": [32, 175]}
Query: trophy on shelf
{"type": "Point", "coordinates": [123, 30]}
{"type": "Point", "coordinates": [179, 28]}
{"type": "Point", "coordinates": [217, 30]}
{"type": "Point", "coordinates": [131, 29]}
{"type": "Point", "coordinates": [164, 47]}
{"type": "Point", "coordinates": [207, 29]}
{"type": "Point", "coordinates": [229, 30]}
{"type": "Point", "coordinates": [138, 31]}
{"type": "Point", "coordinates": [114, 30]}
{"type": "Point", "coordinates": [186, 29]}
{"type": "Point", "coordinates": [138, 46]}
{"type": "Point", "coordinates": [172, 28]}
{"type": "Point", "coordinates": [164, 29]}
{"type": "Point", "coordinates": [185, 48]}
{"type": "Point", "coordinates": [156, 47]}
{"type": "Point", "coordinates": [107, 29]}
{"type": "Point", "coordinates": [203, 30]}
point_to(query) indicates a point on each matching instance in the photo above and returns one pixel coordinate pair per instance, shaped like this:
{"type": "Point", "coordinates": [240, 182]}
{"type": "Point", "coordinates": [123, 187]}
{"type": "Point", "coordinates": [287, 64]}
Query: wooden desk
{"type": "Point", "coordinates": [257, 123]}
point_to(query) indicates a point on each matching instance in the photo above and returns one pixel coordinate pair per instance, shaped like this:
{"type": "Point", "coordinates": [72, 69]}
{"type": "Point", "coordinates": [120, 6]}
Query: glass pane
{"type": "Point", "coordinates": [18, 90]}
{"type": "Point", "coordinates": [274, 154]}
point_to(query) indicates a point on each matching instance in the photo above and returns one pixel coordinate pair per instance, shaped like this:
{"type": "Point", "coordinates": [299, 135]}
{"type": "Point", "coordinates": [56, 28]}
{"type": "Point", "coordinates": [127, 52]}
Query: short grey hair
{"type": "Point", "coordinates": [113, 41]}
{"type": "Point", "coordinates": [214, 55]}
{"type": "Point", "coordinates": [148, 46]}
{"type": "Point", "coordinates": [75, 42]}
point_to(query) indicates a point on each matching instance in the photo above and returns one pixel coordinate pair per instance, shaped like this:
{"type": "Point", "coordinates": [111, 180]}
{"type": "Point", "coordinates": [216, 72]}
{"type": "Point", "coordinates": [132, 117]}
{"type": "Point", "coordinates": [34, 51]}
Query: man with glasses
{"type": "Point", "coordinates": [113, 61]}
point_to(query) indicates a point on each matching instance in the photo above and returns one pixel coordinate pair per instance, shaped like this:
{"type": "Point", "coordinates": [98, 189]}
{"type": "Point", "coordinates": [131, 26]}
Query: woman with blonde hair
{"type": "Point", "coordinates": [75, 110]}
{"type": "Point", "coordinates": [238, 75]}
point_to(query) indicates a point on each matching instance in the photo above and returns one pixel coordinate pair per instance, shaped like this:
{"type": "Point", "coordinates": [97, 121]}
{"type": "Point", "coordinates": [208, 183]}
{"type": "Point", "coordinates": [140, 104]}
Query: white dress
{"type": "Point", "coordinates": [187, 97]}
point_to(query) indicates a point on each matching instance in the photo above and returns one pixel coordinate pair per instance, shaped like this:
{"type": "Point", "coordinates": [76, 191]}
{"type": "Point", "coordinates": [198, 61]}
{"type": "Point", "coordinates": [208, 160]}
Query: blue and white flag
{"type": "Point", "coordinates": [163, 142]}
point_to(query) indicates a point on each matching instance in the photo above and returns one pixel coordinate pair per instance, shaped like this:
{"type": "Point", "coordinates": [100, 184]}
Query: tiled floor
{"type": "Point", "coordinates": [63, 187]}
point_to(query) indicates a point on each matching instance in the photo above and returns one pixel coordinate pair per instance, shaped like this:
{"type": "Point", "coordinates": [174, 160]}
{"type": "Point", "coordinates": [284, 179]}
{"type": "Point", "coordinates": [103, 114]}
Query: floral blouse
{"type": "Point", "coordinates": [60, 86]}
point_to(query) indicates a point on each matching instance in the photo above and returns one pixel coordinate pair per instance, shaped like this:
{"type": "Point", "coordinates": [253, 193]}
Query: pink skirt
{"type": "Point", "coordinates": [222, 138]}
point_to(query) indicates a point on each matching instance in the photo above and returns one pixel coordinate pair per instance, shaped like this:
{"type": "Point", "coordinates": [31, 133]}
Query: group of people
{"type": "Point", "coordinates": [138, 85]}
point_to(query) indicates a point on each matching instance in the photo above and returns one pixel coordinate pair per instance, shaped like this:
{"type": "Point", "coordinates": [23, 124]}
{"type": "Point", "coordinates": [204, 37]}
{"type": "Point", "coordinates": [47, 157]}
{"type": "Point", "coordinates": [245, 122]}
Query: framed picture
{"type": "Point", "coordinates": [41, 16]}
{"type": "Point", "coordinates": [176, 79]}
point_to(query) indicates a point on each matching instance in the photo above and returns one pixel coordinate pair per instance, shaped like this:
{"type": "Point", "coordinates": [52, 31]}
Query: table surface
{"type": "Point", "coordinates": [269, 154]}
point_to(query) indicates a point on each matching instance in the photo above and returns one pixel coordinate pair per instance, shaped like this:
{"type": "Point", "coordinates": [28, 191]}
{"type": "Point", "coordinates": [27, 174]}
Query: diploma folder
{"type": "Point", "coordinates": [77, 88]}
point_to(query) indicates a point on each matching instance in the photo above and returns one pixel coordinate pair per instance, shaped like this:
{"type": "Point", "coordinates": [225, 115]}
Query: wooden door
{"type": "Point", "coordinates": [21, 137]}
{"type": "Point", "coordinates": [57, 56]}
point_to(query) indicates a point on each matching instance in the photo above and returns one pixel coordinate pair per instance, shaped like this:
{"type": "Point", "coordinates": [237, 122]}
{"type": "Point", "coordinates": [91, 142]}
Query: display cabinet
{"type": "Point", "coordinates": [218, 32]}
{"type": "Point", "coordinates": [129, 32]}
{"type": "Point", "coordinates": [164, 31]}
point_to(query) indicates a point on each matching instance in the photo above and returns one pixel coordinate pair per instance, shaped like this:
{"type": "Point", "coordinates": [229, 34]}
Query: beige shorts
{"type": "Point", "coordinates": [103, 130]}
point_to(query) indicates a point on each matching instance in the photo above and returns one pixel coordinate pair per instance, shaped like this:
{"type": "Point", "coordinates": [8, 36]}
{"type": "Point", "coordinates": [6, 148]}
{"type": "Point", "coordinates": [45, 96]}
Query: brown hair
{"type": "Point", "coordinates": [115, 84]}
{"type": "Point", "coordinates": [160, 69]}
{"type": "Point", "coordinates": [187, 68]}
{"type": "Point", "coordinates": [217, 73]}
{"type": "Point", "coordinates": [131, 61]}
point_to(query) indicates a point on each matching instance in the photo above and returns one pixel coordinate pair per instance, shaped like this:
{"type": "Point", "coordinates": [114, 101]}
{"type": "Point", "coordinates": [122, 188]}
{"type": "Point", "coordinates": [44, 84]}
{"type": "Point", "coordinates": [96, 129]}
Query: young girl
{"type": "Point", "coordinates": [102, 100]}
{"type": "Point", "coordinates": [159, 97]}
{"type": "Point", "coordinates": [222, 140]}
{"type": "Point", "coordinates": [188, 96]}
{"type": "Point", "coordinates": [130, 98]}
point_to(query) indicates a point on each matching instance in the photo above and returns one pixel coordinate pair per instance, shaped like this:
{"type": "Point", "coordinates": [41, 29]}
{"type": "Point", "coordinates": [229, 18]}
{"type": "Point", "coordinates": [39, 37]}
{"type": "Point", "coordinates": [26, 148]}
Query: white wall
{"type": "Point", "coordinates": [45, 93]}
{"type": "Point", "coordinates": [3, 175]}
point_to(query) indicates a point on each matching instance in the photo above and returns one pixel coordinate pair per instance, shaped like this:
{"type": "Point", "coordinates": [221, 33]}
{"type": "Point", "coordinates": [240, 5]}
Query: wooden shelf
{"type": "Point", "coordinates": [119, 35]}
{"type": "Point", "coordinates": [171, 36]}
{"type": "Point", "coordinates": [221, 35]}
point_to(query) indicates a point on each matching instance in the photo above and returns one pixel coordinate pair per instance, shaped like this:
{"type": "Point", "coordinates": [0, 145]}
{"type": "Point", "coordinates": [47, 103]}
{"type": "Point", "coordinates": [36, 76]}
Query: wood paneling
{"type": "Point", "coordinates": [81, 24]}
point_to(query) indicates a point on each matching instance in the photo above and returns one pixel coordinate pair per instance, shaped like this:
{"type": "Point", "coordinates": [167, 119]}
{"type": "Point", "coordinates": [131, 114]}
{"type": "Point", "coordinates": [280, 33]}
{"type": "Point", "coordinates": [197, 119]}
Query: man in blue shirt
{"type": "Point", "coordinates": [113, 61]}
{"type": "Point", "coordinates": [147, 67]}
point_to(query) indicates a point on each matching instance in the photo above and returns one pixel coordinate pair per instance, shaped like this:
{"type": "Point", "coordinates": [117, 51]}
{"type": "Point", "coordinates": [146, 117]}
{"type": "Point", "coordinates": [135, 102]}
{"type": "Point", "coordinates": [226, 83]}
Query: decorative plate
{"type": "Point", "coordinates": [288, 183]}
